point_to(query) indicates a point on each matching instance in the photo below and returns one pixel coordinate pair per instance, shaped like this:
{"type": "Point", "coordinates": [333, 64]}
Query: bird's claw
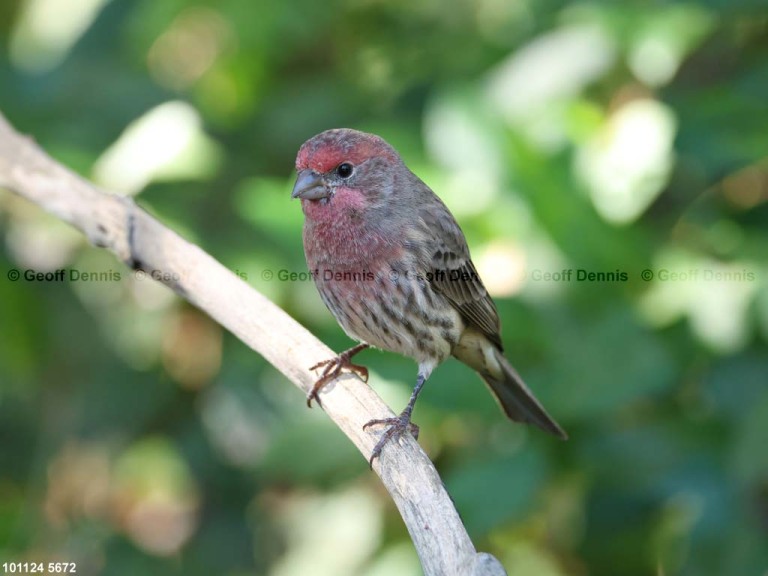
{"type": "Point", "coordinates": [398, 426]}
{"type": "Point", "coordinates": [332, 369]}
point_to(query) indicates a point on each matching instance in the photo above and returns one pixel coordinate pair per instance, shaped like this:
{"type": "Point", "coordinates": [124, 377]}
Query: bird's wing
{"type": "Point", "coordinates": [443, 254]}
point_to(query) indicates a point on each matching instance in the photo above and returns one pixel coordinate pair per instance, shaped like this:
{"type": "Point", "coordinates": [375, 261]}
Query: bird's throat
{"type": "Point", "coordinates": [340, 233]}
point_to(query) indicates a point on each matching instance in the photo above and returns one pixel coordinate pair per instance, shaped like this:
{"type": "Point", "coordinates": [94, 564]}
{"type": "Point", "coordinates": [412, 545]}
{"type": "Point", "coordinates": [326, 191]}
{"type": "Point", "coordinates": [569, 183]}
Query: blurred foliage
{"type": "Point", "coordinates": [137, 437]}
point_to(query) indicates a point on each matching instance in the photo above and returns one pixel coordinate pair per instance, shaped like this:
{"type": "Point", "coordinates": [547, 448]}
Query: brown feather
{"type": "Point", "coordinates": [445, 261]}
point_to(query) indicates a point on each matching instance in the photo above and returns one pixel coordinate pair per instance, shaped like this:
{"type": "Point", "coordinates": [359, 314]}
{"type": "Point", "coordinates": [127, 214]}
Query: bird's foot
{"type": "Point", "coordinates": [398, 426]}
{"type": "Point", "coordinates": [332, 369]}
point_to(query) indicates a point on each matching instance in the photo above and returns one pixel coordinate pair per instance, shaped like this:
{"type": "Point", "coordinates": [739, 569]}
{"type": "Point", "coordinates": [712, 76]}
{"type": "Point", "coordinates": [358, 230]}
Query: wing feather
{"type": "Point", "coordinates": [444, 258]}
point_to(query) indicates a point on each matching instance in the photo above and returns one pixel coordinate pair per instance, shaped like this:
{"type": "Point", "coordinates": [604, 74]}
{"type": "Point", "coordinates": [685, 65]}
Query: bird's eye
{"type": "Point", "coordinates": [344, 170]}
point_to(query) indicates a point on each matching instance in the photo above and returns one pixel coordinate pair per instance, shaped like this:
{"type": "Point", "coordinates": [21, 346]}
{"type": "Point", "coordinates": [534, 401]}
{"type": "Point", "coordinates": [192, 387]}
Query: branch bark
{"type": "Point", "coordinates": [140, 241]}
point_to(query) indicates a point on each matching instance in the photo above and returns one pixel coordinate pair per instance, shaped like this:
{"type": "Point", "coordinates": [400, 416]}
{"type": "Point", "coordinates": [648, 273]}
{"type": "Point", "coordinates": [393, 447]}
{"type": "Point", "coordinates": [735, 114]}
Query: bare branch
{"type": "Point", "coordinates": [140, 241]}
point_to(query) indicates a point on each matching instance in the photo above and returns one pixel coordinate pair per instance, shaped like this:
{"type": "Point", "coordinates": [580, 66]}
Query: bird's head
{"type": "Point", "coordinates": [357, 166]}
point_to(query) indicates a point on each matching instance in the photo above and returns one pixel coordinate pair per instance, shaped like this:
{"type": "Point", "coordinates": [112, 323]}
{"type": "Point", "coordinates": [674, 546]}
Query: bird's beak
{"type": "Point", "coordinates": [310, 186]}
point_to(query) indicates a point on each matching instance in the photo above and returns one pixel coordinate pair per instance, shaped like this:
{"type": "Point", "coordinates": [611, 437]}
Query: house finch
{"type": "Point", "coordinates": [392, 265]}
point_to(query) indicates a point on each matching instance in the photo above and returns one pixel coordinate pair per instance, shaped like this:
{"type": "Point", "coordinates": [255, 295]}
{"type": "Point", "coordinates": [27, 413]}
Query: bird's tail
{"type": "Point", "coordinates": [517, 401]}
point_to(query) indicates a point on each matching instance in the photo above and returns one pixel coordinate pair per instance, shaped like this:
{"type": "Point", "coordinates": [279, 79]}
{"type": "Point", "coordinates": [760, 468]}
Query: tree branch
{"type": "Point", "coordinates": [140, 241]}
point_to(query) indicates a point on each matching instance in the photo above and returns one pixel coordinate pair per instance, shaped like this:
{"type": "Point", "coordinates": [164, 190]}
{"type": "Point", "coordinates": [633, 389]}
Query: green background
{"type": "Point", "coordinates": [138, 438]}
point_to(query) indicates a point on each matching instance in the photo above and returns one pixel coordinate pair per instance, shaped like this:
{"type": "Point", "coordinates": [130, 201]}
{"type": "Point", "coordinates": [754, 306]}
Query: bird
{"type": "Point", "coordinates": [392, 265]}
